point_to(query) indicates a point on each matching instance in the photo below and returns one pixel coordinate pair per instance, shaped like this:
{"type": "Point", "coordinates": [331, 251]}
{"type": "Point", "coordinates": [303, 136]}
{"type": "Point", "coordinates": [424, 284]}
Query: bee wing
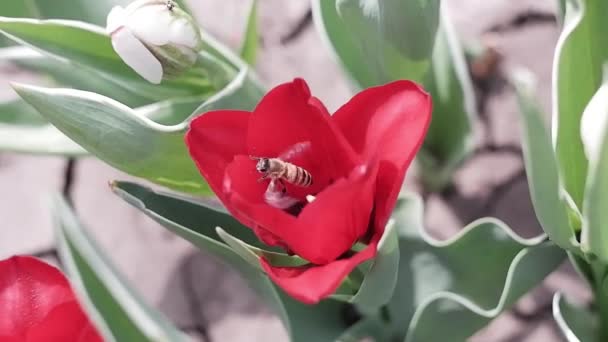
{"type": "Point", "coordinates": [295, 150]}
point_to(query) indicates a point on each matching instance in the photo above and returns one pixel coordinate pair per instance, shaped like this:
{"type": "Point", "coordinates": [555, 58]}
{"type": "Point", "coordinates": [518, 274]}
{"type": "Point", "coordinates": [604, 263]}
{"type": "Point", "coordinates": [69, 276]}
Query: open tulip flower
{"type": "Point", "coordinates": [357, 160]}
{"type": "Point", "coordinates": [38, 305]}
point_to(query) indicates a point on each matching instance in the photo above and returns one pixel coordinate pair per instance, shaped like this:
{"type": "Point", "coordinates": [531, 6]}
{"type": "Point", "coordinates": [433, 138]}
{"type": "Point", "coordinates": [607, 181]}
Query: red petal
{"type": "Point", "coordinates": [387, 123]}
{"type": "Point", "coordinates": [29, 290]}
{"type": "Point", "coordinates": [213, 140]}
{"type": "Point", "coordinates": [288, 116]}
{"type": "Point", "coordinates": [66, 322]}
{"type": "Point", "coordinates": [310, 284]}
{"type": "Point", "coordinates": [327, 227]}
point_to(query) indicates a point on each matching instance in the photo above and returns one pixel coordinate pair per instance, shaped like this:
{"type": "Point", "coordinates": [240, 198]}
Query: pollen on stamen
{"type": "Point", "coordinates": [310, 198]}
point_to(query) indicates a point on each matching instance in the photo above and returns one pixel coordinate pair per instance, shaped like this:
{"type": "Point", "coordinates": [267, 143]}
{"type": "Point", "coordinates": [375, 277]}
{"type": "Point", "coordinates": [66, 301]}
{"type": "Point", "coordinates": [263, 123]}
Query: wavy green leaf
{"type": "Point", "coordinates": [581, 51]}
{"type": "Point", "coordinates": [116, 309]}
{"type": "Point", "coordinates": [440, 285]}
{"type": "Point", "coordinates": [196, 223]}
{"type": "Point", "coordinates": [575, 323]}
{"type": "Point", "coordinates": [23, 130]}
{"type": "Point", "coordinates": [541, 167]}
{"type": "Point", "coordinates": [132, 142]}
{"type": "Point", "coordinates": [119, 136]}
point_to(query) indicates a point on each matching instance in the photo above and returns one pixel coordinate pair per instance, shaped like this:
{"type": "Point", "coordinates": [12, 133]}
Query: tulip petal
{"type": "Point", "coordinates": [29, 290]}
{"type": "Point", "coordinates": [116, 19]}
{"type": "Point", "coordinates": [149, 23]}
{"type": "Point", "coordinates": [326, 228]}
{"type": "Point", "coordinates": [135, 54]}
{"type": "Point", "coordinates": [287, 117]}
{"type": "Point", "coordinates": [67, 322]}
{"type": "Point", "coordinates": [213, 140]}
{"type": "Point", "coordinates": [387, 123]}
{"type": "Point", "coordinates": [310, 284]}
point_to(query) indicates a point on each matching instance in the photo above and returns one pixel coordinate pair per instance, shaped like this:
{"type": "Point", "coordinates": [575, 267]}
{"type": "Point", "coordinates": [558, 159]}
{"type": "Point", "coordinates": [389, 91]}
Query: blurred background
{"type": "Point", "coordinates": [209, 301]}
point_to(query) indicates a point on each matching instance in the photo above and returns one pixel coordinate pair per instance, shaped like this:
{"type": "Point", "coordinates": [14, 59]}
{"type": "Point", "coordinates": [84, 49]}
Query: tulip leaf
{"type": "Point", "coordinates": [119, 136]}
{"type": "Point", "coordinates": [368, 328]}
{"type": "Point", "coordinates": [541, 167]}
{"type": "Point", "coordinates": [380, 41]}
{"type": "Point", "coordinates": [119, 313]}
{"type": "Point", "coordinates": [440, 284]}
{"type": "Point", "coordinates": [575, 323]}
{"type": "Point", "coordinates": [449, 139]}
{"type": "Point", "coordinates": [90, 47]}
{"type": "Point", "coordinates": [242, 93]}
{"type": "Point", "coordinates": [23, 130]}
{"type": "Point", "coordinates": [330, 26]}
{"type": "Point", "coordinates": [67, 74]}
{"type": "Point", "coordinates": [249, 48]}
{"type": "Point", "coordinates": [593, 237]}
{"type": "Point", "coordinates": [581, 51]}
{"type": "Point", "coordinates": [252, 254]}
{"type": "Point", "coordinates": [196, 223]}
{"type": "Point", "coordinates": [379, 283]}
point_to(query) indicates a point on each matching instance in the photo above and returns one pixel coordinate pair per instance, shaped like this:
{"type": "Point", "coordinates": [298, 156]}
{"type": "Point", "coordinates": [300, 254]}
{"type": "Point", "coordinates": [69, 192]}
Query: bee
{"type": "Point", "coordinates": [280, 170]}
{"type": "Point", "coordinates": [170, 5]}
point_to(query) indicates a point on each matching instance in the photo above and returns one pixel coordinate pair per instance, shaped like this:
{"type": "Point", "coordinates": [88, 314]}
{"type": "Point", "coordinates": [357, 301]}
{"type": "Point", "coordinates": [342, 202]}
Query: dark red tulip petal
{"type": "Point", "coordinates": [389, 123]}
{"type": "Point", "coordinates": [288, 117]}
{"type": "Point", "coordinates": [29, 291]}
{"type": "Point", "coordinates": [311, 284]}
{"type": "Point", "coordinates": [67, 322]}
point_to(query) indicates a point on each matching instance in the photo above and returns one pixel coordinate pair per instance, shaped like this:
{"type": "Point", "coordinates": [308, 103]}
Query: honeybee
{"type": "Point", "coordinates": [279, 170]}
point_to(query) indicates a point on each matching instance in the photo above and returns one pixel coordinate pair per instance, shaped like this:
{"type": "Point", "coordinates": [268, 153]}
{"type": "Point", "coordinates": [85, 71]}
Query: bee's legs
{"type": "Point", "coordinates": [283, 187]}
{"type": "Point", "coordinates": [263, 177]}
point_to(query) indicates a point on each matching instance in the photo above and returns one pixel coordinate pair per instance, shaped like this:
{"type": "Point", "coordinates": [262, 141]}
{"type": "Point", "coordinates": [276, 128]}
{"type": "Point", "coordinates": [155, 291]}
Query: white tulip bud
{"type": "Point", "coordinates": [593, 123]}
{"type": "Point", "coordinates": [155, 38]}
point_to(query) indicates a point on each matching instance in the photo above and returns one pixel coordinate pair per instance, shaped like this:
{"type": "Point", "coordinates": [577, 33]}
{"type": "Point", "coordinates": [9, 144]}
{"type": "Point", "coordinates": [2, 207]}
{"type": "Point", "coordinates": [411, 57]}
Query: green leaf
{"type": "Point", "coordinates": [594, 239]}
{"type": "Point", "coordinates": [249, 48]}
{"type": "Point", "coordinates": [196, 222]}
{"type": "Point", "coordinates": [338, 37]}
{"type": "Point", "coordinates": [440, 284]}
{"type": "Point", "coordinates": [575, 323]}
{"type": "Point", "coordinates": [253, 254]}
{"type": "Point", "coordinates": [380, 281]}
{"type": "Point", "coordinates": [23, 130]}
{"type": "Point", "coordinates": [118, 312]}
{"type": "Point", "coordinates": [450, 137]}
{"type": "Point", "coordinates": [120, 136]}
{"type": "Point", "coordinates": [67, 74]}
{"type": "Point", "coordinates": [380, 41]}
{"type": "Point", "coordinates": [541, 167]}
{"type": "Point", "coordinates": [364, 330]}
{"type": "Point", "coordinates": [244, 93]}
{"type": "Point", "coordinates": [90, 47]}
{"type": "Point", "coordinates": [581, 51]}
{"type": "Point", "coordinates": [92, 11]}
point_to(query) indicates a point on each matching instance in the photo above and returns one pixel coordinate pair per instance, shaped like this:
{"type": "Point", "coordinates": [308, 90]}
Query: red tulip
{"type": "Point", "coordinates": [38, 305]}
{"type": "Point", "coordinates": [357, 159]}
